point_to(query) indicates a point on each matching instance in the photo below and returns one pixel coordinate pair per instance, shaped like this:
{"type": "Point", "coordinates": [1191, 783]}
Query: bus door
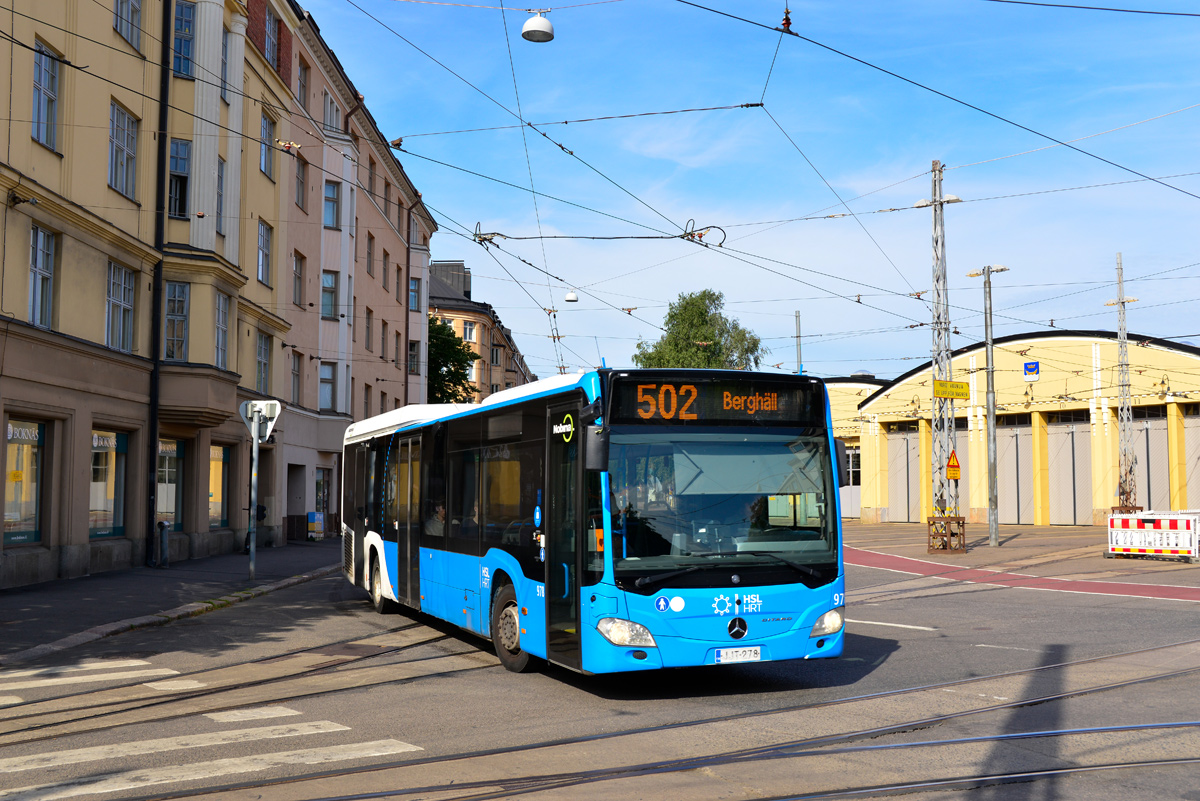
{"type": "Point", "coordinates": [396, 517]}
{"type": "Point", "coordinates": [563, 530]}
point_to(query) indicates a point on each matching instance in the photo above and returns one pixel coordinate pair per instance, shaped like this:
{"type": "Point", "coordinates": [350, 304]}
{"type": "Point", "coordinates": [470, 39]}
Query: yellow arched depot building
{"type": "Point", "coordinates": [1056, 431]}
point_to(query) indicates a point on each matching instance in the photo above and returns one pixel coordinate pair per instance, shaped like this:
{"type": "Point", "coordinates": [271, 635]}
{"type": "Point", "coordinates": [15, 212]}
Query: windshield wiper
{"type": "Point", "coordinates": [794, 565]}
{"type": "Point", "coordinates": [643, 581]}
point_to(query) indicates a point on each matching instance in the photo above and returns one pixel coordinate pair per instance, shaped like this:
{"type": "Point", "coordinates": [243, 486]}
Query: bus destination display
{"type": "Point", "coordinates": [687, 400]}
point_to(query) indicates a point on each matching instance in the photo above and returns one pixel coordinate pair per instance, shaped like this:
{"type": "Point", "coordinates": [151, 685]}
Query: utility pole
{"type": "Point", "coordinates": [945, 495]}
{"type": "Point", "coordinates": [993, 494]}
{"type": "Point", "coordinates": [799, 360]}
{"type": "Point", "coordinates": [1126, 477]}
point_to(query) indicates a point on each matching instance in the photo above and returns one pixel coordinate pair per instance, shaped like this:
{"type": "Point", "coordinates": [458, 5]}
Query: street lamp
{"type": "Point", "coordinates": [993, 502]}
{"type": "Point", "coordinates": [538, 28]}
{"type": "Point", "coordinates": [572, 297]}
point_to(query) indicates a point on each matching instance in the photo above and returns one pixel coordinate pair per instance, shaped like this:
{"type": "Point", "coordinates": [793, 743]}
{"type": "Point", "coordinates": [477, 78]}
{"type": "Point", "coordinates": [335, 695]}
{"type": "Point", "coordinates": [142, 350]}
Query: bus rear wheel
{"type": "Point", "coordinates": [506, 631]}
{"type": "Point", "coordinates": [377, 600]}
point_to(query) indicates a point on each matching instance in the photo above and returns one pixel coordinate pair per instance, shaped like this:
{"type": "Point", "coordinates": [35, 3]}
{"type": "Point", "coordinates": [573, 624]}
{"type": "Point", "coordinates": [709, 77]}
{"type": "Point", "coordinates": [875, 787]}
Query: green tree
{"type": "Point", "coordinates": [699, 335]}
{"type": "Point", "coordinates": [449, 364]}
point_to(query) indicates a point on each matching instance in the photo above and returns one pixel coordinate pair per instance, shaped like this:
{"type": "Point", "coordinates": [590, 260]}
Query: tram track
{"type": "Point", "coordinates": [514, 771]}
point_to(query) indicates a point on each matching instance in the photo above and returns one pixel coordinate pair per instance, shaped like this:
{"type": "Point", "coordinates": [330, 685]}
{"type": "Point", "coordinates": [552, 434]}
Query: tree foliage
{"type": "Point", "coordinates": [698, 334]}
{"type": "Point", "coordinates": [449, 365]}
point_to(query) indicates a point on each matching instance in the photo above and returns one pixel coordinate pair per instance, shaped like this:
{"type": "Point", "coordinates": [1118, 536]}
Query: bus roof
{"type": "Point", "coordinates": [419, 413]}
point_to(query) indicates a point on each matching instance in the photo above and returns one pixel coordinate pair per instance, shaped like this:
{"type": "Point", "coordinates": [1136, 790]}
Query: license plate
{"type": "Point", "coordinates": [727, 656]}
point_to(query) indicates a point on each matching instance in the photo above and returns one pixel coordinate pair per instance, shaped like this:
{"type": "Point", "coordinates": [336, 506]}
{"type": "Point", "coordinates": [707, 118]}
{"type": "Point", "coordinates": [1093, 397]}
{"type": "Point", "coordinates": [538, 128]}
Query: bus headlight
{"type": "Point", "coordinates": [625, 632]}
{"type": "Point", "coordinates": [828, 623]}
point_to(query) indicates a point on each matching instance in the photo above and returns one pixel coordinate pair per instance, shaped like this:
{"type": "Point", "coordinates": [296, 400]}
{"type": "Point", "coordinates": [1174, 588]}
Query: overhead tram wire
{"type": "Point", "coordinates": [828, 185]}
{"type": "Point", "coordinates": [516, 115]}
{"type": "Point", "coordinates": [951, 98]}
{"type": "Point", "coordinates": [1096, 8]}
{"type": "Point", "coordinates": [586, 119]}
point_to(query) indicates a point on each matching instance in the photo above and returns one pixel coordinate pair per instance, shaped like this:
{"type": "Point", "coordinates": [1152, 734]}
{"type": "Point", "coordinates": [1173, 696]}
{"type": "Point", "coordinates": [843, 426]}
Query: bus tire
{"type": "Point", "coordinates": [506, 631]}
{"type": "Point", "coordinates": [380, 603]}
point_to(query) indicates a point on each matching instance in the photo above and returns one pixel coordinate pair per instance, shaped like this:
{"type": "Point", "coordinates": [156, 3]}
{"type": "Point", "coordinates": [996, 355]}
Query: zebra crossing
{"type": "Point", "coordinates": [109, 769]}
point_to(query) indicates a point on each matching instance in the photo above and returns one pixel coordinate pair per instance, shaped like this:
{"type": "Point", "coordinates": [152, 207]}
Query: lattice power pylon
{"type": "Point", "coordinates": [1127, 476]}
{"type": "Point", "coordinates": [945, 492]}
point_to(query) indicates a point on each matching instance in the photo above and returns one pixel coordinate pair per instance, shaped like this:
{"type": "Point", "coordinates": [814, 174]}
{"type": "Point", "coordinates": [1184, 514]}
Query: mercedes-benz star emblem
{"type": "Point", "coordinates": [737, 628]}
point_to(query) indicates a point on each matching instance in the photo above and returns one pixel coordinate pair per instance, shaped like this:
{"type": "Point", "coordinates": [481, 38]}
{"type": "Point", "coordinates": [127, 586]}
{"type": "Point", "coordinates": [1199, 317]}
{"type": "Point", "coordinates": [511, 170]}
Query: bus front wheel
{"type": "Point", "coordinates": [377, 600]}
{"type": "Point", "coordinates": [506, 630]}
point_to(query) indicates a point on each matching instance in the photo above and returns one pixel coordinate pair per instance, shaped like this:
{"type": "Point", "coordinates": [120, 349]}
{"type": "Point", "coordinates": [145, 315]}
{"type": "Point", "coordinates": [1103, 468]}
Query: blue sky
{"type": "Point", "coordinates": [829, 128]}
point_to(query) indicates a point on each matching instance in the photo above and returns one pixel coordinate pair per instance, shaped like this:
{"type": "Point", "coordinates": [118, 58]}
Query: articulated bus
{"type": "Point", "coordinates": [614, 520]}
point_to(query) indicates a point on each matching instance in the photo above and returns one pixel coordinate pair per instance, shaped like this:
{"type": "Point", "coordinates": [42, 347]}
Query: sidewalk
{"type": "Point", "coordinates": [44, 618]}
{"type": "Point", "coordinates": [1064, 558]}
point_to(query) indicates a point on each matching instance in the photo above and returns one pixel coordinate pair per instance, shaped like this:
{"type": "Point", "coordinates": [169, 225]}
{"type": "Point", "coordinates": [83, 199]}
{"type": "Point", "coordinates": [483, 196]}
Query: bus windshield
{"type": "Point", "coordinates": [726, 498]}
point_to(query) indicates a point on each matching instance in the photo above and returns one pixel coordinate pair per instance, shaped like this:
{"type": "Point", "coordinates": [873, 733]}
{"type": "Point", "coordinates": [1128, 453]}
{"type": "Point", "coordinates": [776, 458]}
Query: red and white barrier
{"type": "Point", "coordinates": [1171, 534]}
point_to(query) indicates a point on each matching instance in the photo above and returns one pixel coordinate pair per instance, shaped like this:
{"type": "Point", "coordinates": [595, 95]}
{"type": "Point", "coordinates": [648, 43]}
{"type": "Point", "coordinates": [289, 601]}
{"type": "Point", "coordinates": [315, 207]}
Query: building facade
{"type": "Point", "coordinates": [1057, 443]}
{"type": "Point", "coordinates": [500, 364]}
{"type": "Point", "coordinates": [150, 281]}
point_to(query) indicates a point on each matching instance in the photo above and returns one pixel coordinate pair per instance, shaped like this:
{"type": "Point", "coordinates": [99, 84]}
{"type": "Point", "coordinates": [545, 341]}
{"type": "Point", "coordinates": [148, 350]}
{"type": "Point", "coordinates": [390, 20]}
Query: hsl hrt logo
{"type": "Point", "coordinates": [566, 428]}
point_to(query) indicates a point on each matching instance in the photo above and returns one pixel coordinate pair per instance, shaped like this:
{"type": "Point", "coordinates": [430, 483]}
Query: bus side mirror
{"type": "Point", "coordinates": [595, 448]}
{"type": "Point", "coordinates": [843, 463]}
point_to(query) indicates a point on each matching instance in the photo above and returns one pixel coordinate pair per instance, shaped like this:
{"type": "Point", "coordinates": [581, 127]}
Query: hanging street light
{"type": "Point", "coordinates": [537, 28]}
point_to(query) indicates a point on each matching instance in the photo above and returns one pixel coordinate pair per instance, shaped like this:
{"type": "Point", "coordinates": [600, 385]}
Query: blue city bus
{"type": "Point", "coordinates": [613, 520]}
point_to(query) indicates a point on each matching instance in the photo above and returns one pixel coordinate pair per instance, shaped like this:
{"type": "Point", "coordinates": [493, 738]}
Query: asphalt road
{"type": "Point", "coordinates": [309, 680]}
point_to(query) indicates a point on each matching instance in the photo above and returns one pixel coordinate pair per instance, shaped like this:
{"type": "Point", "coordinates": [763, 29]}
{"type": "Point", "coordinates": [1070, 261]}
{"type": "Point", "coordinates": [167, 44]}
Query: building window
{"type": "Point", "coordinates": [271, 39]}
{"type": "Point", "coordinates": [414, 294]}
{"type": "Point", "coordinates": [220, 195]}
{"type": "Point", "coordinates": [298, 279]}
{"type": "Point", "coordinates": [185, 32]}
{"type": "Point", "coordinates": [127, 21]}
{"type": "Point", "coordinates": [328, 387]}
{"type": "Point", "coordinates": [266, 147]}
{"type": "Point", "coordinates": [264, 252]}
{"type": "Point", "coordinates": [387, 200]}
{"type": "Point", "coordinates": [106, 497]}
{"type": "Point", "coordinates": [329, 295]}
{"type": "Point", "coordinates": [175, 338]}
{"type": "Point", "coordinates": [331, 115]}
{"type": "Point", "coordinates": [41, 278]}
{"type": "Point", "coordinates": [370, 322]}
{"type": "Point", "coordinates": [23, 482]}
{"type": "Point", "coordinates": [366, 400]}
{"type": "Point", "coordinates": [412, 227]}
{"type": "Point", "coordinates": [383, 340]}
{"type": "Point", "coordinates": [333, 204]}
{"type": "Point", "coordinates": [397, 349]}
{"type": "Point", "coordinates": [414, 357]}
{"type": "Point", "coordinates": [297, 365]}
{"type": "Point", "coordinates": [468, 331]}
{"type": "Point", "coordinates": [45, 95]}
{"type": "Point", "coordinates": [218, 486]}
{"type": "Point", "coordinates": [370, 254]}
{"type": "Point", "coordinates": [399, 282]}
{"type": "Point", "coordinates": [382, 402]}
{"type": "Point", "coordinates": [262, 373]}
{"type": "Point", "coordinates": [496, 355]}
{"type": "Point", "coordinates": [177, 195]}
{"type": "Point", "coordinates": [493, 389]}
{"type": "Point", "coordinates": [301, 182]}
{"type": "Point", "coordinates": [370, 176]}
{"type": "Point", "coordinates": [122, 151]}
{"type": "Point", "coordinates": [169, 497]}
{"type": "Point", "coordinates": [225, 64]}
{"type": "Point", "coordinates": [222, 333]}
{"type": "Point", "coordinates": [119, 324]}
{"type": "Point", "coordinates": [302, 85]}
{"type": "Point", "coordinates": [383, 271]}
{"type": "Point", "coordinates": [324, 488]}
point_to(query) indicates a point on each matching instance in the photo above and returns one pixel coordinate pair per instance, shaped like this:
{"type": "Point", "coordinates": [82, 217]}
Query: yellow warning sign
{"type": "Point", "coordinates": [953, 470]}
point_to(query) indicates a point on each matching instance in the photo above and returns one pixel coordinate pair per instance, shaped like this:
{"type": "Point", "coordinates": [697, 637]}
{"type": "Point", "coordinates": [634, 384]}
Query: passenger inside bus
{"type": "Point", "coordinates": [435, 525]}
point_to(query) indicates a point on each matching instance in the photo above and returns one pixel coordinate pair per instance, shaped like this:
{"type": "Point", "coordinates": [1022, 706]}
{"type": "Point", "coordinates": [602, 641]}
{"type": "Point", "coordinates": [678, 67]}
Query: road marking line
{"type": "Point", "coordinates": [1005, 647]}
{"type": "Point", "coordinates": [178, 684]}
{"type": "Point", "coordinates": [56, 671]}
{"type": "Point", "coordinates": [9, 700]}
{"type": "Point", "coordinates": [116, 750]}
{"type": "Point", "coordinates": [61, 680]}
{"type": "Point", "coordinates": [132, 781]}
{"type": "Point", "coordinates": [893, 625]}
{"type": "Point", "coordinates": [259, 713]}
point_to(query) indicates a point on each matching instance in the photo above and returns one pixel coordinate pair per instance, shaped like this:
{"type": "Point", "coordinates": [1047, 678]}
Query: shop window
{"type": "Point", "coordinates": [169, 495]}
{"type": "Point", "coordinates": [106, 496]}
{"type": "Point", "coordinates": [23, 483]}
{"type": "Point", "coordinates": [218, 486]}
